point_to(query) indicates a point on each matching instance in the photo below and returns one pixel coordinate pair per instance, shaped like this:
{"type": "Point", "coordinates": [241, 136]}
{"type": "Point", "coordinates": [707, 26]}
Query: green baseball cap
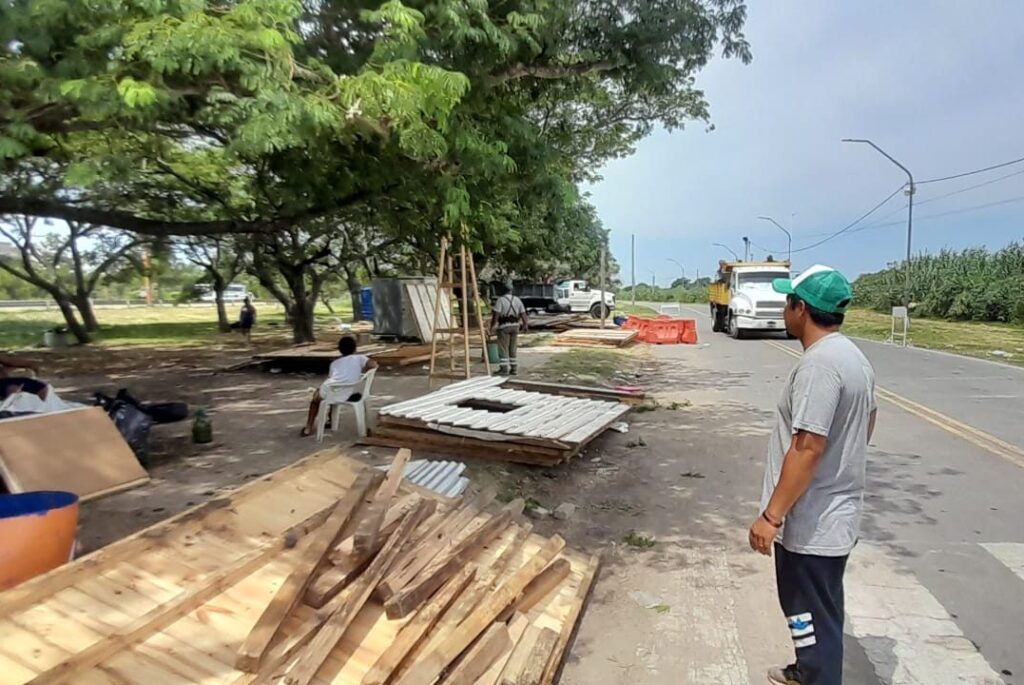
{"type": "Point", "coordinates": [820, 286]}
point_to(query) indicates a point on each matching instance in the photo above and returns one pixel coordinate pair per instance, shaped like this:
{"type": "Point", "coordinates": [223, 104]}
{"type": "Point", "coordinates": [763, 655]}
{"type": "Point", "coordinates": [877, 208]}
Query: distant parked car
{"type": "Point", "coordinates": [233, 293]}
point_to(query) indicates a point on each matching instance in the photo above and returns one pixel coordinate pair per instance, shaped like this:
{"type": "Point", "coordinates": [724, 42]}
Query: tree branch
{"type": "Point", "coordinates": [554, 71]}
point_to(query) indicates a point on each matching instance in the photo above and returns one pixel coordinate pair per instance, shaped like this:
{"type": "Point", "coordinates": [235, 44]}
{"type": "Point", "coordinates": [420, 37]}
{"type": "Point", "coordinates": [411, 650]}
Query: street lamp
{"type": "Point", "coordinates": [789, 248]}
{"type": "Point", "coordinates": [910, 204]}
{"type": "Point", "coordinates": [746, 248]}
{"type": "Point", "coordinates": [726, 247]}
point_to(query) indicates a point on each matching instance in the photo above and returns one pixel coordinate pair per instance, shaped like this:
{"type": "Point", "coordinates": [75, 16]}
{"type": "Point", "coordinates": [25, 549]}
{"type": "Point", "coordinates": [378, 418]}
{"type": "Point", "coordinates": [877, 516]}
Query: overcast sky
{"type": "Point", "coordinates": [938, 85]}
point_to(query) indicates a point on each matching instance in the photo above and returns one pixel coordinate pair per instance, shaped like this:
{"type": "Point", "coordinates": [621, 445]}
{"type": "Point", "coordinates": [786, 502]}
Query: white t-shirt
{"type": "Point", "coordinates": [347, 370]}
{"type": "Point", "coordinates": [508, 306]}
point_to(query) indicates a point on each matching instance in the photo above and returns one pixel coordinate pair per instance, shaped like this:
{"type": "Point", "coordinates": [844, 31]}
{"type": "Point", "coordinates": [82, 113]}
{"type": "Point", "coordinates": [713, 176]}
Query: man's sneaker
{"type": "Point", "coordinates": [784, 676]}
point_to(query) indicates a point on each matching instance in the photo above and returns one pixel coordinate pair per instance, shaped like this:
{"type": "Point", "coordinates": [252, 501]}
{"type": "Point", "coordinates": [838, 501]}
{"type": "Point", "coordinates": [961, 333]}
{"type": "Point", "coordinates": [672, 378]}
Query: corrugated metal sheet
{"type": "Point", "coordinates": [442, 477]}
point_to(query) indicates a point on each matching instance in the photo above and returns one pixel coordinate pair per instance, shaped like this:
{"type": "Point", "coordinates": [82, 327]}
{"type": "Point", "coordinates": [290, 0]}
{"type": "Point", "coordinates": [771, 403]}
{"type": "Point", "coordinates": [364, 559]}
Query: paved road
{"type": "Point", "coordinates": [936, 587]}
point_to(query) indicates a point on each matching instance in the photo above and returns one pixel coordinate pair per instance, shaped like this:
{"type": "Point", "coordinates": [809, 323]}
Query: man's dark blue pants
{"type": "Point", "coordinates": [811, 595]}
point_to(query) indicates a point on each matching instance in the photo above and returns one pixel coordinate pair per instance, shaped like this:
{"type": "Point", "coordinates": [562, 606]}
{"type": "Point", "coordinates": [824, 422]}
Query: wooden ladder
{"type": "Point", "coordinates": [456, 270]}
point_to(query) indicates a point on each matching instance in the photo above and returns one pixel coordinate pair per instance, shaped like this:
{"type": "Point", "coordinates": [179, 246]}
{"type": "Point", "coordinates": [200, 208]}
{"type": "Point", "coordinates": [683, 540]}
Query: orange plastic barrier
{"type": "Point", "coordinates": [38, 531]}
{"type": "Point", "coordinates": [663, 330]}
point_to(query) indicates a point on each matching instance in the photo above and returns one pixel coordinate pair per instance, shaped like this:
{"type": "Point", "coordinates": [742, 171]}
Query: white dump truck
{"type": "Point", "coordinates": [743, 300]}
{"type": "Point", "coordinates": [577, 297]}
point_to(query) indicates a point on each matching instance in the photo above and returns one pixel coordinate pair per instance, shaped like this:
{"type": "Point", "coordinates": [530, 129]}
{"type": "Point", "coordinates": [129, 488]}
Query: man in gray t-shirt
{"type": "Point", "coordinates": [813, 489]}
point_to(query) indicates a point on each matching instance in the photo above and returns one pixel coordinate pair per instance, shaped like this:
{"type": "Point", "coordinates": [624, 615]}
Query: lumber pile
{"type": "Point", "coordinates": [595, 337]}
{"type": "Point", "coordinates": [326, 571]}
{"type": "Point", "coordinates": [493, 417]}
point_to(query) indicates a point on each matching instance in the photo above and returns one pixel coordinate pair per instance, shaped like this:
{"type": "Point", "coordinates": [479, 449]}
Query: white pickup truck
{"type": "Point", "coordinates": [577, 297]}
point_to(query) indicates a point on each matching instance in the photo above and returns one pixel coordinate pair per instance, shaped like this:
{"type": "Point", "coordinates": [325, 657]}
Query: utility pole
{"type": "Point", "coordinates": [726, 247]}
{"type": "Point", "coordinates": [910, 206]}
{"type": "Point", "coordinates": [789, 247]}
{"type": "Point", "coordinates": [632, 261]}
{"type": "Point", "coordinates": [604, 308]}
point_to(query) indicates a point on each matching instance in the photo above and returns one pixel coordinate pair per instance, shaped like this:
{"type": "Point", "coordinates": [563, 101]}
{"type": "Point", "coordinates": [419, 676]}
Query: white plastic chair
{"type": "Point", "coordinates": [333, 396]}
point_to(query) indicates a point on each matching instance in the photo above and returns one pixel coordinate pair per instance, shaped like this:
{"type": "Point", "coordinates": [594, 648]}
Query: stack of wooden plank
{"type": "Point", "coordinates": [485, 418]}
{"type": "Point", "coordinates": [595, 337]}
{"type": "Point", "coordinates": [326, 572]}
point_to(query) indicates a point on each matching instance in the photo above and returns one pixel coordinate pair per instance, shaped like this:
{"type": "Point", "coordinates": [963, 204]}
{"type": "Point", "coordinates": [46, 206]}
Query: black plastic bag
{"type": "Point", "coordinates": [160, 412]}
{"type": "Point", "coordinates": [134, 425]}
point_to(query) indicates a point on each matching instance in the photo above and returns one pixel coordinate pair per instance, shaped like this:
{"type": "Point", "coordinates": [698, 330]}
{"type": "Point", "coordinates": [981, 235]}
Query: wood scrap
{"type": "Point", "coordinates": [313, 556]}
{"type": "Point", "coordinates": [489, 648]}
{"type": "Point", "coordinates": [417, 627]}
{"type": "Point", "coordinates": [432, 664]}
{"type": "Point", "coordinates": [530, 658]}
{"type": "Point", "coordinates": [516, 628]}
{"type": "Point", "coordinates": [540, 587]}
{"type": "Point", "coordinates": [410, 597]}
{"type": "Point", "coordinates": [370, 524]}
{"type": "Point", "coordinates": [316, 652]}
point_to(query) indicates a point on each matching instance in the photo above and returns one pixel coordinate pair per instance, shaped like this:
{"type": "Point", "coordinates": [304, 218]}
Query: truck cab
{"type": "Point", "coordinates": [743, 300]}
{"type": "Point", "coordinates": [577, 297]}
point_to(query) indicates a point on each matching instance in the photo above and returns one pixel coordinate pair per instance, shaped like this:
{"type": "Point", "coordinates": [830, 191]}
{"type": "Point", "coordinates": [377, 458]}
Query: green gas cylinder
{"type": "Point", "coordinates": [202, 429]}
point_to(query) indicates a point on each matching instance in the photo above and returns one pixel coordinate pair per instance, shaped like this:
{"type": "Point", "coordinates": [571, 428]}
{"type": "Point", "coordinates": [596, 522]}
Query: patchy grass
{"type": "Point", "coordinates": [676, 406]}
{"type": "Point", "coordinates": [638, 541]}
{"type": "Point", "coordinates": [618, 506]}
{"type": "Point", "coordinates": [536, 339]}
{"type": "Point", "coordinates": [661, 608]}
{"type": "Point", "coordinates": [584, 366]}
{"type": "Point", "coordinates": [159, 325]}
{"type": "Point", "coordinates": [639, 442]}
{"type": "Point", "coordinates": [969, 338]}
{"type": "Point", "coordinates": [637, 310]}
{"type": "Point", "coordinates": [691, 474]}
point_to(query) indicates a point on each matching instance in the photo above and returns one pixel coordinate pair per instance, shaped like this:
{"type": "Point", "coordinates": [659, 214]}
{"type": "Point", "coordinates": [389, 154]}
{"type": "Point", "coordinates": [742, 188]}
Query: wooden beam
{"type": "Point", "coordinates": [347, 565]}
{"type": "Point", "coordinates": [571, 621]}
{"type": "Point", "coordinates": [528, 664]}
{"type": "Point", "coordinates": [313, 656]}
{"type": "Point", "coordinates": [445, 536]}
{"type": "Point", "coordinates": [516, 627]}
{"type": "Point", "coordinates": [431, 665]}
{"type": "Point", "coordinates": [370, 524]}
{"type": "Point", "coordinates": [540, 587]}
{"type": "Point", "coordinates": [425, 584]}
{"type": "Point", "coordinates": [417, 628]}
{"type": "Point", "coordinates": [294, 587]}
{"type": "Point", "coordinates": [495, 642]}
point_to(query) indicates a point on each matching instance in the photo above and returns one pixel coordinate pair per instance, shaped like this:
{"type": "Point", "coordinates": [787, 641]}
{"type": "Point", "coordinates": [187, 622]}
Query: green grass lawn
{"type": "Point", "coordinates": [182, 326]}
{"type": "Point", "coordinates": [636, 310]}
{"type": "Point", "coordinates": [961, 337]}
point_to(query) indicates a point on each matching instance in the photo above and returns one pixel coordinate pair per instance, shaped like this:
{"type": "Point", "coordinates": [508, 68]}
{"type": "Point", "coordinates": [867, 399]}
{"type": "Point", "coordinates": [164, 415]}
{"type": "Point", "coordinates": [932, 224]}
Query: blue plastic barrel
{"type": "Point", "coordinates": [366, 304]}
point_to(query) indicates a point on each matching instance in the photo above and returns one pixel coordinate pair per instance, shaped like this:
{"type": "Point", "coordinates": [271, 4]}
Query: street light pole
{"type": "Point", "coordinates": [726, 247]}
{"type": "Point", "coordinates": [746, 249]}
{"type": "Point", "coordinates": [910, 205]}
{"type": "Point", "coordinates": [789, 238]}
{"type": "Point", "coordinates": [682, 278]}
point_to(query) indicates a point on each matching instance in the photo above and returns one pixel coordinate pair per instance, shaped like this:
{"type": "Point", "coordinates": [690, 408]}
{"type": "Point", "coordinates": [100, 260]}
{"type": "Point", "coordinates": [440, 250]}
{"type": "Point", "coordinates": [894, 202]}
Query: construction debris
{"type": "Point", "coordinates": [492, 418]}
{"type": "Point", "coordinates": [595, 337]}
{"type": "Point", "coordinates": [217, 595]}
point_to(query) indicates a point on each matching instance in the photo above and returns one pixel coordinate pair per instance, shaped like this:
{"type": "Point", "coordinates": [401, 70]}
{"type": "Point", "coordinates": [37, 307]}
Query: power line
{"type": "Point", "coordinates": [971, 173]}
{"type": "Point", "coordinates": [849, 226]}
{"type": "Point", "coordinates": [962, 210]}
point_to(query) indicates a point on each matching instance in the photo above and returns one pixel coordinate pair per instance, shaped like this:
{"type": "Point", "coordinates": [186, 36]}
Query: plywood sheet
{"type": "Point", "coordinates": [421, 299]}
{"type": "Point", "coordinates": [59, 615]}
{"type": "Point", "coordinates": [80, 451]}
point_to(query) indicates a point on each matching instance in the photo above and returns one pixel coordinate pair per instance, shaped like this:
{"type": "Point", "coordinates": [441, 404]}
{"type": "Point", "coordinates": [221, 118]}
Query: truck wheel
{"type": "Point", "coordinates": [595, 311]}
{"type": "Point", "coordinates": [734, 330]}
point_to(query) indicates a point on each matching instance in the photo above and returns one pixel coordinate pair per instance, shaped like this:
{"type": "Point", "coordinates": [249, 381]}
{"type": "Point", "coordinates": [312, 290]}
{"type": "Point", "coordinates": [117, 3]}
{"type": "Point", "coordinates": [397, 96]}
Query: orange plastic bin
{"type": "Point", "coordinates": [38, 533]}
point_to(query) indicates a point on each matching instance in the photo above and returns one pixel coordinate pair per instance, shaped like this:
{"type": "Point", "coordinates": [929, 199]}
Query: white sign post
{"type": "Point", "coordinates": [900, 325]}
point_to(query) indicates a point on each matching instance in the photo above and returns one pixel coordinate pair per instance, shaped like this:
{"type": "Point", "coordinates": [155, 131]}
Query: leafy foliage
{"type": "Point", "coordinates": [971, 285]}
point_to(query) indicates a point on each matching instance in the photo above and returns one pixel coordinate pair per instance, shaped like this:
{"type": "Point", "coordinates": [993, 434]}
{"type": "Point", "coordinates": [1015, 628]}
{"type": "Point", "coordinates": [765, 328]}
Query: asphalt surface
{"type": "Point", "coordinates": [935, 589]}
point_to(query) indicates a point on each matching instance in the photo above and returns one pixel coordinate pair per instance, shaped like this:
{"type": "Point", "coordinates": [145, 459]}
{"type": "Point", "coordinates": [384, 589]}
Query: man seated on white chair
{"type": "Point", "coordinates": [346, 370]}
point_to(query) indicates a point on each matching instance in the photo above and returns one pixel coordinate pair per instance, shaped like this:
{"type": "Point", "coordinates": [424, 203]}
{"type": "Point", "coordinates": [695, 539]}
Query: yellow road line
{"type": "Point", "coordinates": [984, 440]}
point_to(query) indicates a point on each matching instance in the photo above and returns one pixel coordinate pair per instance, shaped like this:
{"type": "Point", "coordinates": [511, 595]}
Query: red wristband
{"type": "Point", "coordinates": [774, 524]}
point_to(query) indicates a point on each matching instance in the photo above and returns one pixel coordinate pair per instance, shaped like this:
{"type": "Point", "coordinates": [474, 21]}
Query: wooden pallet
{"type": "Point", "coordinates": [173, 604]}
{"type": "Point", "coordinates": [493, 418]}
{"type": "Point", "coordinates": [595, 337]}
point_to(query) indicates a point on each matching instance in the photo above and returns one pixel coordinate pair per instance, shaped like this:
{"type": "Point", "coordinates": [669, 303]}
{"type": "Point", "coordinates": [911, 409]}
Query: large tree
{"type": "Point", "coordinates": [200, 117]}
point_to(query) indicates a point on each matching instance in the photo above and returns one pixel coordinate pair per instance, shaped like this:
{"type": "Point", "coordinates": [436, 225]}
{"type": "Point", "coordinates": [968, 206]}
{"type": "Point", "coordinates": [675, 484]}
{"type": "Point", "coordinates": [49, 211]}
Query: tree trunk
{"type": "Point", "coordinates": [354, 291]}
{"type": "Point", "coordinates": [78, 330]}
{"type": "Point", "coordinates": [301, 317]}
{"type": "Point", "coordinates": [84, 306]}
{"type": "Point", "coordinates": [222, 314]}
